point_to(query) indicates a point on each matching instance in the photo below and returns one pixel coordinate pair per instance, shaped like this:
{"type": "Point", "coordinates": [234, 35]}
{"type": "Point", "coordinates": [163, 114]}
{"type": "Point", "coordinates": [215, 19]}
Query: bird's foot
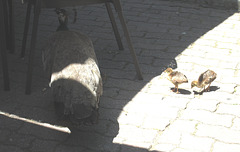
{"type": "Point", "coordinates": [208, 89]}
{"type": "Point", "coordinates": [173, 90]}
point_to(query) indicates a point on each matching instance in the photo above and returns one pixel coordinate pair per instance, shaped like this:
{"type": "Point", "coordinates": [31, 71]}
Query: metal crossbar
{"type": "Point", "coordinates": [38, 4]}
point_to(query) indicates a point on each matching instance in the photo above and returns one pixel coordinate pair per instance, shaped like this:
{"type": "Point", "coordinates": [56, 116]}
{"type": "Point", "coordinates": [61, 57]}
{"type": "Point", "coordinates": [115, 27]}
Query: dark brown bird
{"type": "Point", "coordinates": [75, 79]}
{"type": "Point", "coordinates": [206, 78]}
{"type": "Point", "coordinates": [176, 78]}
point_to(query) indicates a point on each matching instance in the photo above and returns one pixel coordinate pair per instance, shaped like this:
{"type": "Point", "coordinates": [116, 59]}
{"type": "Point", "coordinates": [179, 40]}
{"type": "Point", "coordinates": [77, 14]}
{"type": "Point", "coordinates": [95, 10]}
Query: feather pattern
{"type": "Point", "coordinates": [176, 78]}
{"type": "Point", "coordinates": [70, 61]}
{"type": "Point", "coordinates": [206, 78]}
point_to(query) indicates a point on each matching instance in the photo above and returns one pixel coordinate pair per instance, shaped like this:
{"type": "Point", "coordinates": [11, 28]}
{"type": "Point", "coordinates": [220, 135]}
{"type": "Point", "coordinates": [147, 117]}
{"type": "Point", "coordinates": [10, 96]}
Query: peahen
{"type": "Point", "coordinates": [71, 64]}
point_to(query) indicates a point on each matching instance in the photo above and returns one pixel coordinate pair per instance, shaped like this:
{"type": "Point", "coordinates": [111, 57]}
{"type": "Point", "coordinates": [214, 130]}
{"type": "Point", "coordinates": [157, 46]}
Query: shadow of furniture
{"type": "Point", "coordinates": [38, 4]}
{"type": "Point", "coordinates": [3, 42]}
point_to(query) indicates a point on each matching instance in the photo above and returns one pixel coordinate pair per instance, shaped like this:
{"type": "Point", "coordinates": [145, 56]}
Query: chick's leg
{"type": "Point", "coordinates": [204, 89]}
{"type": "Point", "coordinates": [177, 90]}
{"type": "Point", "coordinates": [208, 88]}
{"type": "Point", "coordinates": [174, 89]}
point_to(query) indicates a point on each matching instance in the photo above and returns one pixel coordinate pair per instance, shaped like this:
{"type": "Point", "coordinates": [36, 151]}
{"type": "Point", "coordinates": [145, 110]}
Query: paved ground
{"type": "Point", "coordinates": [136, 116]}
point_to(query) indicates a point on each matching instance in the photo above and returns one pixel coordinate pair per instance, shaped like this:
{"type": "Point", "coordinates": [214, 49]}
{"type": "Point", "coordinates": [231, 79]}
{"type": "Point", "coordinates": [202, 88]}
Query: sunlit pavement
{"type": "Point", "coordinates": [135, 116]}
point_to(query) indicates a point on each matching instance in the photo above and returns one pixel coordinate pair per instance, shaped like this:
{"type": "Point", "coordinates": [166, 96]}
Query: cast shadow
{"type": "Point", "coordinates": [158, 41]}
{"type": "Point", "coordinates": [182, 91]}
{"type": "Point", "coordinates": [212, 89]}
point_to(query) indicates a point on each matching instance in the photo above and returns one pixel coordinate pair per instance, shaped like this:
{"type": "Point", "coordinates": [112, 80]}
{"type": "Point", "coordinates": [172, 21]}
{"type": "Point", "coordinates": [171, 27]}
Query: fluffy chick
{"type": "Point", "coordinates": [176, 78]}
{"type": "Point", "coordinates": [206, 78]}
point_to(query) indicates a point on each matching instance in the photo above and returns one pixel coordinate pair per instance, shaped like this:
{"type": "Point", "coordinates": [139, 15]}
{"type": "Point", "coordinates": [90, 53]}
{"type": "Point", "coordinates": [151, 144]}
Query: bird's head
{"type": "Point", "coordinates": [168, 70]}
{"type": "Point", "coordinates": [62, 18]}
{"type": "Point", "coordinates": [194, 84]}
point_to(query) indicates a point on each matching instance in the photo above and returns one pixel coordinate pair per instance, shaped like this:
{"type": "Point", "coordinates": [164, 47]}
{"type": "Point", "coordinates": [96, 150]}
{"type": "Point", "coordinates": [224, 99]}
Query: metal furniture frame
{"type": "Point", "coordinates": [38, 4]}
{"type": "Point", "coordinates": [6, 38]}
{"type": "Point", "coordinates": [9, 24]}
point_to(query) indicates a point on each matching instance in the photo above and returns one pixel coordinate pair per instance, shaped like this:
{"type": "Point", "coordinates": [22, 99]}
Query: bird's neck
{"type": "Point", "coordinates": [63, 24]}
{"type": "Point", "coordinates": [62, 27]}
{"type": "Point", "coordinates": [199, 85]}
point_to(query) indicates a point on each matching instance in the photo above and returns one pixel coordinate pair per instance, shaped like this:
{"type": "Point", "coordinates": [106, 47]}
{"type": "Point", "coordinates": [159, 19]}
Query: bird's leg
{"type": "Point", "coordinates": [204, 89]}
{"type": "Point", "coordinates": [177, 90]}
{"type": "Point", "coordinates": [208, 88]}
{"type": "Point", "coordinates": [174, 89]}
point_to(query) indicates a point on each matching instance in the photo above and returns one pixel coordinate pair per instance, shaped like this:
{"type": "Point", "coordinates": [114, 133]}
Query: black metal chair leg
{"type": "Point", "coordinates": [114, 25]}
{"type": "Point", "coordinates": [118, 8]}
{"type": "Point", "coordinates": [37, 8]}
{"type": "Point", "coordinates": [11, 26]}
{"type": "Point", "coordinates": [3, 49]}
{"type": "Point", "coordinates": [6, 22]}
{"type": "Point", "coordinates": [26, 27]}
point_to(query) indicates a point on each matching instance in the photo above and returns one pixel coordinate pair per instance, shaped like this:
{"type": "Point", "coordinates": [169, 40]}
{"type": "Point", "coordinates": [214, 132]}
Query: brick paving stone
{"type": "Point", "coordinates": [194, 143]}
{"type": "Point", "coordinates": [20, 140]}
{"type": "Point", "coordinates": [145, 98]}
{"type": "Point", "coordinates": [155, 110]}
{"type": "Point", "coordinates": [234, 99]}
{"type": "Point", "coordinates": [183, 126]}
{"type": "Point", "coordinates": [221, 96]}
{"type": "Point", "coordinates": [130, 118]}
{"type": "Point", "coordinates": [125, 148]}
{"type": "Point", "coordinates": [198, 104]}
{"type": "Point", "coordinates": [202, 42]}
{"type": "Point", "coordinates": [42, 132]}
{"type": "Point", "coordinates": [128, 135]}
{"type": "Point", "coordinates": [184, 150]}
{"type": "Point", "coordinates": [236, 124]}
{"type": "Point", "coordinates": [219, 133]}
{"type": "Point", "coordinates": [136, 115]}
{"type": "Point", "coordinates": [207, 117]}
{"type": "Point", "coordinates": [155, 123]}
{"type": "Point", "coordinates": [180, 103]}
{"type": "Point", "coordinates": [237, 90]}
{"type": "Point", "coordinates": [10, 124]}
{"type": "Point", "coordinates": [185, 66]}
{"type": "Point", "coordinates": [163, 147]}
{"type": "Point", "coordinates": [169, 136]}
{"type": "Point", "coordinates": [4, 135]}
{"type": "Point", "coordinates": [224, 45]}
{"type": "Point", "coordinates": [123, 84]}
{"type": "Point", "coordinates": [43, 145]}
{"type": "Point", "coordinates": [228, 109]}
{"type": "Point", "coordinates": [63, 148]}
{"type": "Point", "coordinates": [91, 140]}
{"type": "Point", "coordinates": [8, 148]}
{"type": "Point", "coordinates": [223, 147]}
{"type": "Point", "coordinates": [111, 103]}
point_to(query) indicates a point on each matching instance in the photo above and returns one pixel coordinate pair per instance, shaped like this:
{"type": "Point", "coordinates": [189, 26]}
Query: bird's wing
{"type": "Point", "coordinates": [201, 78]}
{"type": "Point", "coordinates": [179, 77]}
{"type": "Point", "coordinates": [207, 77]}
{"type": "Point", "coordinates": [48, 53]}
